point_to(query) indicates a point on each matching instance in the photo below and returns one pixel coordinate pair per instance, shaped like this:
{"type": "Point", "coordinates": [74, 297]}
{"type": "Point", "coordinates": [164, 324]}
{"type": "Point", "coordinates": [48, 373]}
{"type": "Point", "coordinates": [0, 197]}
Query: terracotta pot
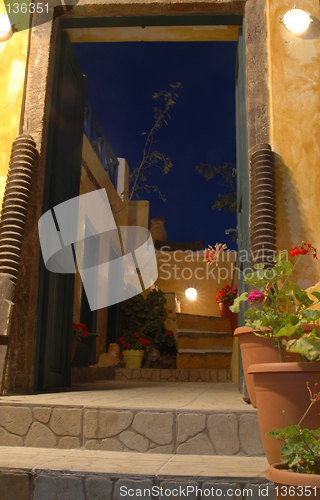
{"type": "Point", "coordinates": [254, 349]}
{"type": "Point", "coordinates": [224, 308]}
{"type": "Point", "coordinates": [283, 386]}
{"type": "Point", "coordinates": [133, 358]}
{"type": "Point", "coordinates": [293, 485]}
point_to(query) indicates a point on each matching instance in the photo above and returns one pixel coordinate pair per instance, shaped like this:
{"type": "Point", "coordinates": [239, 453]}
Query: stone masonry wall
{"type": "Point", "coordinates": [198, 433]}
{"type": "Point", "coordinates": [77, 486]}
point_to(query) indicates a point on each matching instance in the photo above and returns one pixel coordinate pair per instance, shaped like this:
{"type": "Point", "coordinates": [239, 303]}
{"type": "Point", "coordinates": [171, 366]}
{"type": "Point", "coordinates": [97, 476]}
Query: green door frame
{"type": "Point", "coordinates": [242, 180]}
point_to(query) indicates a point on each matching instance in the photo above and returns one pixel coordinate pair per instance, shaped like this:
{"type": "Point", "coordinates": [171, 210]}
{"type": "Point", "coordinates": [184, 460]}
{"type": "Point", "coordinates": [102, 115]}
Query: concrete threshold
{"type": "Point", "coordinates": [42, 474]}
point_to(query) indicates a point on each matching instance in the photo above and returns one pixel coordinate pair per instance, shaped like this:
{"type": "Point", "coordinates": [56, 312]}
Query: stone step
{"type": "Point", "coordinates": [195, 339]}
{"type": "Point", "coordinates": [204, 359]}
{"type": "Point", "coordinates": [203, 323]}
{"type": "Point", "coordinates": [40, 474]}
{"type": "Point", "coordinates": [141, 417]}
{"type": "Point", "coordinates": [166, 375]}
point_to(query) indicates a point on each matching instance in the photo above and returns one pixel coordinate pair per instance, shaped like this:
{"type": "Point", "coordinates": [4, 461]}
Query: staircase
{"type": "Point", "coordinates": [99, 440]}
{"type": "Point", "coordinates": [204, 342]}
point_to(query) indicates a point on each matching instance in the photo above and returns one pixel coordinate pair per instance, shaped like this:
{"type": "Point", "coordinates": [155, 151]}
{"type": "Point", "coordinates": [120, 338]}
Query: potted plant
{"type": "Point", "coordinates": [298, 475]}
{"type": "Point", "coordinates": [281, 314]}
{"type": "Point", "coordinates": [132, 348]}
{"type": "Point", "coordinates": [224, 296]}
{"type": "Point", "coordinates": [277, 326]}
{"type": "Point", "coordinates": [83, 345]}
{"type": "Point", "coordinates": [143, 318]}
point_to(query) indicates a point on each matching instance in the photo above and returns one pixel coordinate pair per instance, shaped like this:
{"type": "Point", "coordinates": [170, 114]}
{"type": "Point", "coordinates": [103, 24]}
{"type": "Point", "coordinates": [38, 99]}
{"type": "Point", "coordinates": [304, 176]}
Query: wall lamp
{"type": "Point", "coordinates": [191, 293]}
{"type": "Point", "coordinates": [296, 20]}
{"type": "Point", "coordinates": [6, 27]}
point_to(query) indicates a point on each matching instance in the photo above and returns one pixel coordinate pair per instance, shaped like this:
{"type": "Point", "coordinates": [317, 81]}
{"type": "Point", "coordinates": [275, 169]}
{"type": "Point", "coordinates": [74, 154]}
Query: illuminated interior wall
{"type": "Point", "coordinates": [181, 270]}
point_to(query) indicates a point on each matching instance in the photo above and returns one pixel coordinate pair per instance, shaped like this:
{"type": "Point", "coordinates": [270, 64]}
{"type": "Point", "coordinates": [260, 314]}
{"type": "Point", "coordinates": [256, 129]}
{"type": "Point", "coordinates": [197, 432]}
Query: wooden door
{"type": "Point", "coordinates": [62, 182]}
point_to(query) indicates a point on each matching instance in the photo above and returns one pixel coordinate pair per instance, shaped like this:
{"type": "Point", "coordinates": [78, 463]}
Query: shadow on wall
{"type": "Point", "coordinates": [293, 226]}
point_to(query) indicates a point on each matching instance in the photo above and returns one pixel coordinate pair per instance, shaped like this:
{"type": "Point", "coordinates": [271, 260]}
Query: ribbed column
{"type": "Point", "coordinates": [263, 206]}
{"type": "Point", "coordinates": [15, 203]}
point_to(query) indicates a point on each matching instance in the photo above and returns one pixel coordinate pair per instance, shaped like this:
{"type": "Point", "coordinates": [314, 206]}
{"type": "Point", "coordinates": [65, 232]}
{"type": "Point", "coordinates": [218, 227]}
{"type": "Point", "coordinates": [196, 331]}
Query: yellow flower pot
{"type": "Point", "coordinates": [133, 358]}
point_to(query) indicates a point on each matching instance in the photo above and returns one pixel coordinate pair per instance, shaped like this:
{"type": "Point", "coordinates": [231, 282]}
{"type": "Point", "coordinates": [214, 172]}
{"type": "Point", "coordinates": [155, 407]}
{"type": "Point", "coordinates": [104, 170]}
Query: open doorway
{"type": "Point", "coordinates": [46, 341]}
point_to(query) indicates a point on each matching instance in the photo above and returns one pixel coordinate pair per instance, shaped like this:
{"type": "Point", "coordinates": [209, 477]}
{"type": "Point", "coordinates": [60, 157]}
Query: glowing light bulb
{"type": "Point", "coordinates": [296, 20]}
{"type": "Point", "coordinates": [191, 293]}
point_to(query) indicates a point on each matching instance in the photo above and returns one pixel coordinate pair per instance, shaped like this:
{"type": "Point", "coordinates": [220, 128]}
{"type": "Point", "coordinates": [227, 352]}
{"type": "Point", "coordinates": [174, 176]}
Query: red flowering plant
{"type": "Point", "coordinates": [228, 293]}
{"type": "Point", "coordinates": [142, 318]}
{"type": "Point", "coordinates": [79, 330]}
{"type": "Point", "coordinates": [280, 305]}
{"type": "Point", "coordinates": [135, 341]}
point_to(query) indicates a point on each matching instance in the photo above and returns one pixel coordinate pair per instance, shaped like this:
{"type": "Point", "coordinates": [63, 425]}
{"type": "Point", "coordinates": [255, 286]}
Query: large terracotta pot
{"type": "Point", "coordinates": [283, 386]}
{"type": "Point", "coordinates": [293, 485]}
{"type": "Point", "coordinates": [224, 308]}
{"type": "Point", "coordinates": [254, 349]}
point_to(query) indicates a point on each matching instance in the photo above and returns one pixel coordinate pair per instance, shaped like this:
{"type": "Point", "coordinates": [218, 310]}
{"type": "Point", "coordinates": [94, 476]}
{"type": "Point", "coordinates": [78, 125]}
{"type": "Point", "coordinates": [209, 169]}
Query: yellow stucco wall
{"type": "Point", "coordinates": [181, 270]}
{"type": "Point", "coordinates": [13, 56]}
{"type": "Point", "coordinates": [294, 66]}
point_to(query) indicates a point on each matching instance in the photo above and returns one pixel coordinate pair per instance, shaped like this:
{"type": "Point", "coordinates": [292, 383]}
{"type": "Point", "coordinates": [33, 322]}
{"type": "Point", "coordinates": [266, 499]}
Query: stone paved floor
{"type": "Point", "coordinates": [89, 474]}
{"type": "Point", "coordinates": [119, 394]}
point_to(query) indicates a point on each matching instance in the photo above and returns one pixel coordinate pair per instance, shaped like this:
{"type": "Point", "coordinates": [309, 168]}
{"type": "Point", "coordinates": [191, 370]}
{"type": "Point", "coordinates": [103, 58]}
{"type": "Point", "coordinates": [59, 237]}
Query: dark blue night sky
{"type": "Point", "coordinates": [121, 79]}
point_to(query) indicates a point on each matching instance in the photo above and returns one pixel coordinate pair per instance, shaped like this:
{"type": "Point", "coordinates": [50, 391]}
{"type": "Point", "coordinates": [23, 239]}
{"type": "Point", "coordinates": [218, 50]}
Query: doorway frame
{"type": "Point", "coordinates": [41, 60]}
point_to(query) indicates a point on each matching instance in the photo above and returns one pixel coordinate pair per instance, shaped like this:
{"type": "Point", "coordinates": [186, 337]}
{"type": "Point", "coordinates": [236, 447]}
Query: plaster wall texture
{"type": "Point", "coordinates": [181, 270]}
{"type": "Point", "coordinates": [138, 213]}
{"type": "Point", "coordinates": [13, 60]}
{"type": "Point", "coordinates": [294, 131]}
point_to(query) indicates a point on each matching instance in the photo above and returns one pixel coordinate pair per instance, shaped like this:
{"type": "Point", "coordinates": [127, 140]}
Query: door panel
{"type": "Point", "coordinates": [242, 177]}
{"type": "Point", "coordinates": [62, 182]}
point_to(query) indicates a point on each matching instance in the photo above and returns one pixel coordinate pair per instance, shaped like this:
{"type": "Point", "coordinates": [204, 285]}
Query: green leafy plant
{"type": "Point", "coordinates": [226, 174]}
{"type": "Point", "coordinates": [301, 450]}
{"type": "Point", "coordinates": [282, 307]}
{"type": "Point", "coordinates": [165, 342]}
{"type": "Point", "coordinates": [144, 316]}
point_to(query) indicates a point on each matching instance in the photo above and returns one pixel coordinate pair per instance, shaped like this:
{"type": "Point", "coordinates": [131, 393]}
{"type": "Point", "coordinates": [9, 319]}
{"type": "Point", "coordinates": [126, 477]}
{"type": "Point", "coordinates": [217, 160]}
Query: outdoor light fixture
{"type": "Point", "coordinates": [296, 20]}
{"type": "Point", "coordinates": [191, 293]}
{"type": "Point", "coordinates": [6, 27]}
